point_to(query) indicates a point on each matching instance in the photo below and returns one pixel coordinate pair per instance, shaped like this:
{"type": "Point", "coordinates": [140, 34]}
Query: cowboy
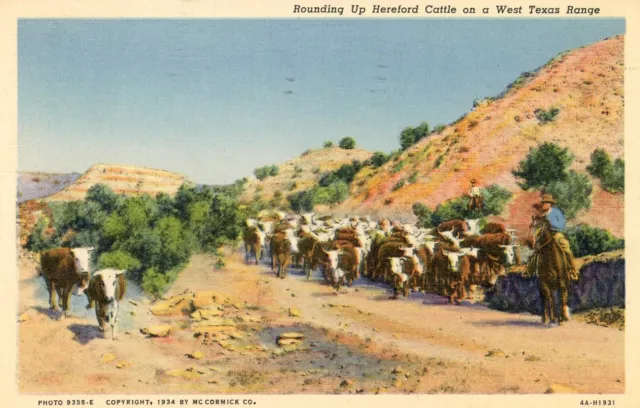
{"type": "Point", "coordinates": [475, 197]}
{"type": "Point", "coordinates": [557, 222]}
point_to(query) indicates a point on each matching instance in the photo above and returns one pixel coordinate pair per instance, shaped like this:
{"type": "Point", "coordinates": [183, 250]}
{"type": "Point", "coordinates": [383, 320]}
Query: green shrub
{"type": "Point", "coordinates": [413, 178]}
{"type": "Point", "coordinates": [495, 198]}
{"type": "Point", "coordinates": [155, 283]}
{"type": "Point", "coordinates": [439, 161]}
{"type": "Point", "coordinates": [347, 143]}
{"type": "Point", "coordinates": [316, 170]}
{"type": "Point", "coordinates": [543, 164]}
{"type": "Point", "coordinates": [379, 159]}
{"type": "Point", "coordinates": [119, 260]}
{"type": "Point", "coordinates": [611, 174]}
{"type": "Point", "coordinates": [327, 144]}
{"type": "Point", "coordinates": [399, 185]}
{"type": "Point", "coordinates": [37, 240]}
{"type": "Point", "coordinates": [410, 135]}
{"type": "Point", "coordinates": [292, 186]}
{"type": "Point", "coordinates": [586, 240]}
{"type": "Point", "coordinates": [399, 166]}
{"type": "Point", "coordinates": [546, 116]}
{"type": "Point", "coordinates": [439, 129]}
{"type": "Point", "coordinates": [424, 215]}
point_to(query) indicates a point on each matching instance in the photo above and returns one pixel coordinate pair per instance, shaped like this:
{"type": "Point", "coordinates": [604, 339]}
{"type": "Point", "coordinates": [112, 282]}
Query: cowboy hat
{"type": "Point", "coordinates": [474, 181]}
{"type": "Point", "coordinates": [547, 198]}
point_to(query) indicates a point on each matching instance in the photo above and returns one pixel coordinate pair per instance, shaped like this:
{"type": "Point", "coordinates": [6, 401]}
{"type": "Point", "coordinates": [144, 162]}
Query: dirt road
{"type": "Point", "coordinates": [358, 341]}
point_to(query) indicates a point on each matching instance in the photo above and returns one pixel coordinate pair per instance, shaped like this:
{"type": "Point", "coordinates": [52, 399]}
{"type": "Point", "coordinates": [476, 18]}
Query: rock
{"type": "Point", "coordinates": [175, 306]}
{"type": "Point", "coordinates": [122, 364]}
{"type": "Point", "coordinates": [561, 389]}
{"type": "Point", "coordinates": [250, 318]}
{"type": "Point", "coordinates": [287, 342]}
{"type": "Point", "coordinates": [207, 298]}
{"type": "Point", "coordinates": [211, 330]}
{"type": "Point", "coordinates": [107, 357]}
{"type": "Point", "coordinates": [293, 312]}
{"type": "Point", "coordinates": [26, 316]}
{"type": "Point", "coordinates": [187, 374]}
{"type": "Point", "coordinates": [219, 321]}
{"type": "Point", "coordinates": [198, 355]}
{"type": "Point", "coordinates": [291, 335]}
{"type": "Point", "coordinates": [236, 336]}
{"type": "Point", "coordinates": [157, 331]}
{"type": "Point", "coordinates": [195, 316]}
{"type": "Point", "coordinates": [293, 295]}
{"type": "Point", "coordinates": [496, 353]}
{"type": "Point", "coordinates": [346, 383]}
{"type": "Point", "coordinates": [209, 314]}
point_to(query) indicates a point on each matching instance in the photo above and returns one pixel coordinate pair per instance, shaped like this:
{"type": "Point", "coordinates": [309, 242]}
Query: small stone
{"type": "Point", "coordinates": [26, 316]}
{"type": "Point", "coordinates": [157, 331]}
{"type": "Point", "coordinates": [107, 358]}
{"type": "Point", "coordinates": [293, 312]}
{"type": "Point", "coordinates": [496, 353]}
{"type": "Point", "coordinates": [122, 364]}
{"type": "Point", "coordinates": [346, 383]}
{"type": "Point", "coordinates": [293, 295]}
{"type": "Point", "coordinates": [561, 389]}
{"type": "Point", "coordinates": [198, 355]}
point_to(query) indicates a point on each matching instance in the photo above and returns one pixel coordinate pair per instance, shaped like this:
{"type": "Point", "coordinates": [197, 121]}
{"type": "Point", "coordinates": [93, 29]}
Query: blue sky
{"type": "Point", "coordinates": [206, 98]}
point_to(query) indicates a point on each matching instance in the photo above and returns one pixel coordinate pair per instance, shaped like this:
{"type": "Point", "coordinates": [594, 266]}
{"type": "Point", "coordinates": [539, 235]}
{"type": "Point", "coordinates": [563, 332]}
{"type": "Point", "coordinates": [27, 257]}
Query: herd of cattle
{"type": "Point", "coordinates": [450, 259]}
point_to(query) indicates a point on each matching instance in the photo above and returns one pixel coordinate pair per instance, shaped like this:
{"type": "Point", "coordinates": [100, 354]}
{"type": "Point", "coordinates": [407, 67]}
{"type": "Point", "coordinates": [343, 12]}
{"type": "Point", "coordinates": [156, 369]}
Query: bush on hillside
{"type": "Point", "coordinates": [586, 240]}
{"type": "Point", "coordinates": [543, 164]}
{"type": "Point", "coordinates": [546, 116]}
{"type": "Point", "coordinates": [327, 144]}
{"type": "Point", "coordinates": [379, 159]}
{"type": "Point", "coordinates": [495, 199]}
{"type": "Point", "coordinates": [410, 135]}
{"type": "Point", "coordinates": [439, 129]}
{"type": "Point", "coordinates": [347, 143]}
{"type": "Point", "coordinates": [262, 173]}
{"type": "Point", "coordinates": [611, 174]}
{"type": "Point", "coordinates": [424, 214]}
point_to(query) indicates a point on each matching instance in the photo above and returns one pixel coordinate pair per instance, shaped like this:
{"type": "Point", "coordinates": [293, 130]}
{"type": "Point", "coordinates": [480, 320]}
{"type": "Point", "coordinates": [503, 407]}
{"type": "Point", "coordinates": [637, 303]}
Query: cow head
{"type": "Point", "coordinates": [82, 260]}
{"type": "Point", "coordinates": [251, 222]}
{"type": "Point", "coordinates": [106, 281]}
{"type": "Point", "coordinates": [449, 236]}
{"type": "Point", "coordinates": [291, 236]}
{"type": "Point", "coordinates": [454, 260]}
{"type": "Point", "coordinates": [332, 257]}
{"type": "Point", "coordinates": [473, 227]}
{"type": "Point", "coordinates": [473, 252]}
{"type": "Point", "coordinates": [509, 253]}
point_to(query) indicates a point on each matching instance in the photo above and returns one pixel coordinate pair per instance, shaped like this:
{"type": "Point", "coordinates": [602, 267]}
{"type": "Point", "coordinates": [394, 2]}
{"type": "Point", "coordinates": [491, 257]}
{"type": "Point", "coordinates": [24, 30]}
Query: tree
{"type": "Point", "coordinates": [103, 196]}
{"type": "Point", "coordinates": [572, 194]}
{"type": "Point", "coordinates": [544, 164]}
{"type": "Point", "coordinates": [327, 144]}
{"type": "Point", "coordinates": [407, 138]}
{"type": "Point", "coordinates": [421, 132]}
{"type": "Point", "coordinates": [347, 143]}
{"type": "Point", "coordinates": [611, 174]}
{"type": "Point", "coordinates": [379, 159]}
{"type": "Point", "coordinates": [600, 163]}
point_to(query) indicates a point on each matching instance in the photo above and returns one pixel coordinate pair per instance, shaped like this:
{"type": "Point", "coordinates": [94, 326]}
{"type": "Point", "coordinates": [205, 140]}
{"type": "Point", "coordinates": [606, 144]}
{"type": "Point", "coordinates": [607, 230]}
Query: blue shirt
{"type": "Point", "coordinates": [556, 219]}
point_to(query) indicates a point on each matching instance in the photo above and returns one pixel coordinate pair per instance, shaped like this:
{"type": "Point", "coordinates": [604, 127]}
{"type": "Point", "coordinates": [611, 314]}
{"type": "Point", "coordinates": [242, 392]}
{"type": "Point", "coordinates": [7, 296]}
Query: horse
{"type": "Point", "coordinates": [548, 262]}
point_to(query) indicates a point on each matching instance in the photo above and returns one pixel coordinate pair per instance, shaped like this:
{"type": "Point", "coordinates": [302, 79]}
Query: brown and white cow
{"type": "Point", "coordinates": [106, 288]}
{"type": "Point", "coordinates": [62, 269]}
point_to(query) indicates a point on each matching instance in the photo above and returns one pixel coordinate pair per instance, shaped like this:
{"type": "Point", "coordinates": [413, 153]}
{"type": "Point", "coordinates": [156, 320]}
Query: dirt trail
{"type": "Point", "coordinates": [359, 336]}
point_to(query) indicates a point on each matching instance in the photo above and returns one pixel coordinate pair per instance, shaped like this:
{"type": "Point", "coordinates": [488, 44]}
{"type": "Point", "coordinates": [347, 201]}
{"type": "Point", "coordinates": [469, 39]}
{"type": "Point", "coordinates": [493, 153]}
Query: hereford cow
{"type": "Point", "coordinates": [106, 289]}
{"type": "Point", "coordinates": [254, 241]}
{"type": "Point", "coordinates": [458, 227]}
{"type": "Point", "coordinates": [494, 228]}
{"type": "Point", "coordinates": [62, 269]}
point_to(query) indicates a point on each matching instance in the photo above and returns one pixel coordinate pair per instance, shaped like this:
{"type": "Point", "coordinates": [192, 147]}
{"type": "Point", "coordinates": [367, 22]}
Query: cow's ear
{"type": "Point", "coordinates": [120, 273]}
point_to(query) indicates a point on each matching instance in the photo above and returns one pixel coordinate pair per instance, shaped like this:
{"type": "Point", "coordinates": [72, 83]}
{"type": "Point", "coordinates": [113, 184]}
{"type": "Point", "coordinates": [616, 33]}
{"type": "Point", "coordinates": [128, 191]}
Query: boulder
{"type": "Point", "coordinates": [175, 306]}
{"type": "Point", "coordinates": [291, 335]}
{"type": "Point", "coordinates": [157, 331]}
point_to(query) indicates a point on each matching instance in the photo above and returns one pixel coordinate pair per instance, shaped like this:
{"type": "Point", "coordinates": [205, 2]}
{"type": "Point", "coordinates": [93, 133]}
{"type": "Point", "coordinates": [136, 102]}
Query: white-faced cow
{"type": "Point", "coordinates": [106, 289]}
{"type": "Point", "coordinates": [62, 269]}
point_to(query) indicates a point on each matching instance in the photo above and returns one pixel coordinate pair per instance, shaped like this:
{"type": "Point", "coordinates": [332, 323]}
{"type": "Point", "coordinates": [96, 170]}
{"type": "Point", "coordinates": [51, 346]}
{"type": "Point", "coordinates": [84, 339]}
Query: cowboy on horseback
{"type": "Point", "coordinates": [557, 223]}
{"type": "Point", "coordinates": [475, 197]}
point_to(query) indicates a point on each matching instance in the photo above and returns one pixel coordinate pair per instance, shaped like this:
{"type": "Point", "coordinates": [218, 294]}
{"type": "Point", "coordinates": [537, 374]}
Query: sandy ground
{"type": "Point", "coordinates": [358, 341]}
